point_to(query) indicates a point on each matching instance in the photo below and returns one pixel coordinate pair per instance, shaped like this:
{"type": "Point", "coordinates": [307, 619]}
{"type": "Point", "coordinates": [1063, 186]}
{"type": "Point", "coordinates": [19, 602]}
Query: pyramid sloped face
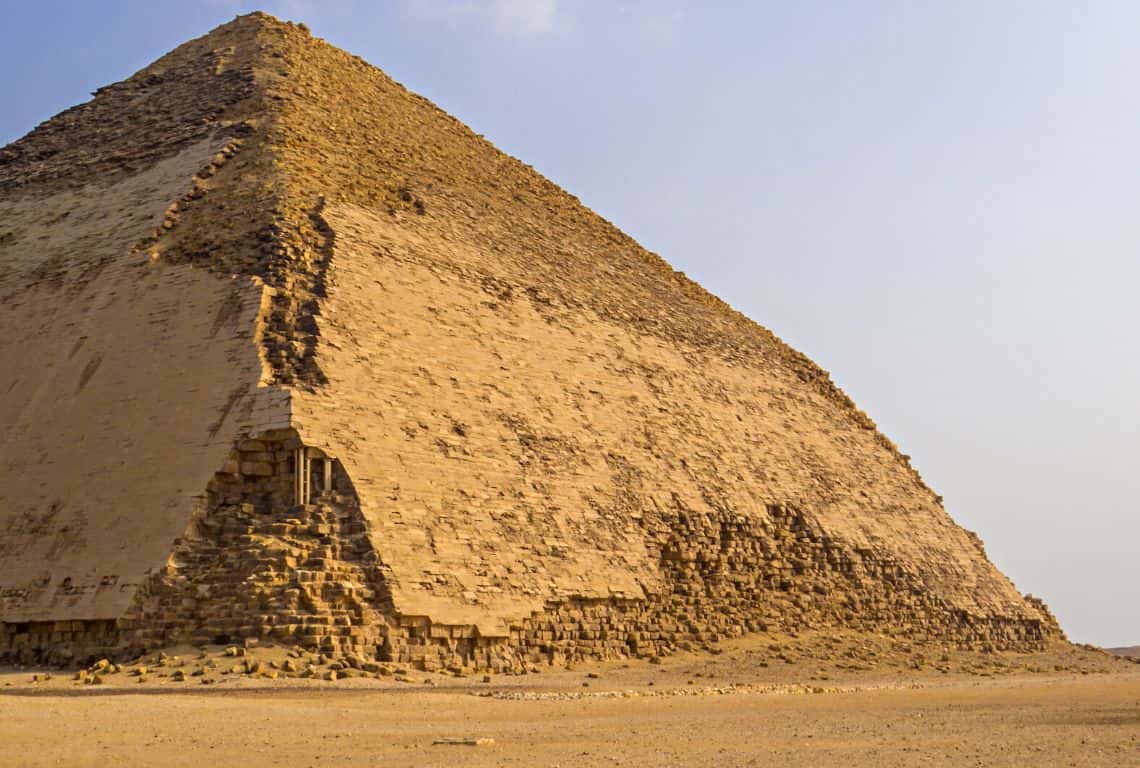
{"type": "Point", "coordinates": [126, 378]}
{"type": "Point", "coordinates": [121, 387]}
{"type": "Point", "coordinates": [509, 450]}
{"type": "Point", "coordinates": [513, 357]}
{"type": "Point", "coordinates": [542, 433]}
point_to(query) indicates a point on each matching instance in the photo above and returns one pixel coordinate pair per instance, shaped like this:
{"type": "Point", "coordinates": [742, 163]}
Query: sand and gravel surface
{"type": "Point", "coordinates": [1085, 721]}
{"type": "Point", "coordinates": [748, 705]}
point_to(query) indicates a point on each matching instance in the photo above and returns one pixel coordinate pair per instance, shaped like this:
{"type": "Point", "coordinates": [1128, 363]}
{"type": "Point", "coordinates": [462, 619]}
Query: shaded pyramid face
{"type": "Point", "coordinates": [290, 353]}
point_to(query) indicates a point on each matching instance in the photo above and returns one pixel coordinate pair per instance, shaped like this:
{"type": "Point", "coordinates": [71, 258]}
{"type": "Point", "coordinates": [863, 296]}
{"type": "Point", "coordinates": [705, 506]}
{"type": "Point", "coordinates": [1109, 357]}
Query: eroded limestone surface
{"type": "Point", "coordinates": [541, 442]}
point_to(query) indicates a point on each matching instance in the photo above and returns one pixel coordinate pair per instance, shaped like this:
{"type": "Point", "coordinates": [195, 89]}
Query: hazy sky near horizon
{"type": "Point", "coordinates": [937, 202]}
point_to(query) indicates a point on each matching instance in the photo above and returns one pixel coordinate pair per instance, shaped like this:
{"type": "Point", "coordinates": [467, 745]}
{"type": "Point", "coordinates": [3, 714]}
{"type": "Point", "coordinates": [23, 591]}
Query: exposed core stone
{"type": "Point", "coordinates": [290, 354]}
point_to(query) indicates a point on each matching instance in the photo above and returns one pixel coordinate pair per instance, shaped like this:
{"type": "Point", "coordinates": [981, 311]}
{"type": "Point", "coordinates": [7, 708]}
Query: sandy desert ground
{"type": "Point", "coordinates": [762, 701]}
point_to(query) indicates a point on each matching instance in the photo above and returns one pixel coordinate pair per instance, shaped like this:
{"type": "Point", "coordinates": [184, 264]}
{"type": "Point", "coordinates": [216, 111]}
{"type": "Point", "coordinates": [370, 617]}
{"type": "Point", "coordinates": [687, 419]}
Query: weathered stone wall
{"type": "Point", "coordinates": [727, 576]}
{"type": "Point", "coordinates": [59, 642]}
{"type": "Point", "coordinates": [256, 564]}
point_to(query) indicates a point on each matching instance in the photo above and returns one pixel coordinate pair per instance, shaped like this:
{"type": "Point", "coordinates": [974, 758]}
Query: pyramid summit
{"type": "Point", "coordinates": [292, 354]}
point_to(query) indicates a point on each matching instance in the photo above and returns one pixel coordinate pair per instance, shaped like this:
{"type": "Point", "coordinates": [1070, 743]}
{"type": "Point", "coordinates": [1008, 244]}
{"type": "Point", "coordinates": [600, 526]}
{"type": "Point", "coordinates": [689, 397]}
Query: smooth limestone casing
{"type": "Point", "coordinates": [125, 384]}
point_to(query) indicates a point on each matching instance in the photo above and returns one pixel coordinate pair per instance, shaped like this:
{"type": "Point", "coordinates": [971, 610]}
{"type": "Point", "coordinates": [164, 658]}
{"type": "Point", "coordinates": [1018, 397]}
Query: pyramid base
{"type": "Point", "coordinates": [256, 564]}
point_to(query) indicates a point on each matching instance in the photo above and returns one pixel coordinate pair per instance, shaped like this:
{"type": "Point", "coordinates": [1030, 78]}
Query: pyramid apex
{"type": "Point", "coordinates": [262, 19]}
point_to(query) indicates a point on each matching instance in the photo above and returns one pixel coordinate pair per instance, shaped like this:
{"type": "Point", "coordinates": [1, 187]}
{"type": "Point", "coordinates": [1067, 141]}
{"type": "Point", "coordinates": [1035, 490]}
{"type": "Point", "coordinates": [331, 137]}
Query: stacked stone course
{"type": "Point", "coordinates": [731, 575]}
{"type": "Point", "coordinates": [58, 642]}
{"type": "Point", "coordinates": [258, 565]}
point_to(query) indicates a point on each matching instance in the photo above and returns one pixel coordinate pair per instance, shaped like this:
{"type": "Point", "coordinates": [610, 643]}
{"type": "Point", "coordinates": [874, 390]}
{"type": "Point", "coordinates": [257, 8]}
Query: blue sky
{"type": "Point", "coordinates": [938, 202]}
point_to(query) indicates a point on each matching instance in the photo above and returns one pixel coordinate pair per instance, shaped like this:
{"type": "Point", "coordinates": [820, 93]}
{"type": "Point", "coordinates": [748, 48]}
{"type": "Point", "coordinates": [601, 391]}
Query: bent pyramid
{"type": "Point", "coordinates": [290, 353]}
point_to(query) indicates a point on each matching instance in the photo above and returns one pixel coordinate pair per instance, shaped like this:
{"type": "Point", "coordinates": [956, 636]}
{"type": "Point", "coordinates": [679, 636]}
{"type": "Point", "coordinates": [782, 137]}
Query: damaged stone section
{"type": "Point", "coordinates": [58, 642]}
{"type": "Point", "coordinates": [272, 553]}
{"type": "Point", "coordinates": [730, 575]}
{"type": "Point", "coordinates": [733, 573]}
{"type": "Point", "coordinates": [276, 554]}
